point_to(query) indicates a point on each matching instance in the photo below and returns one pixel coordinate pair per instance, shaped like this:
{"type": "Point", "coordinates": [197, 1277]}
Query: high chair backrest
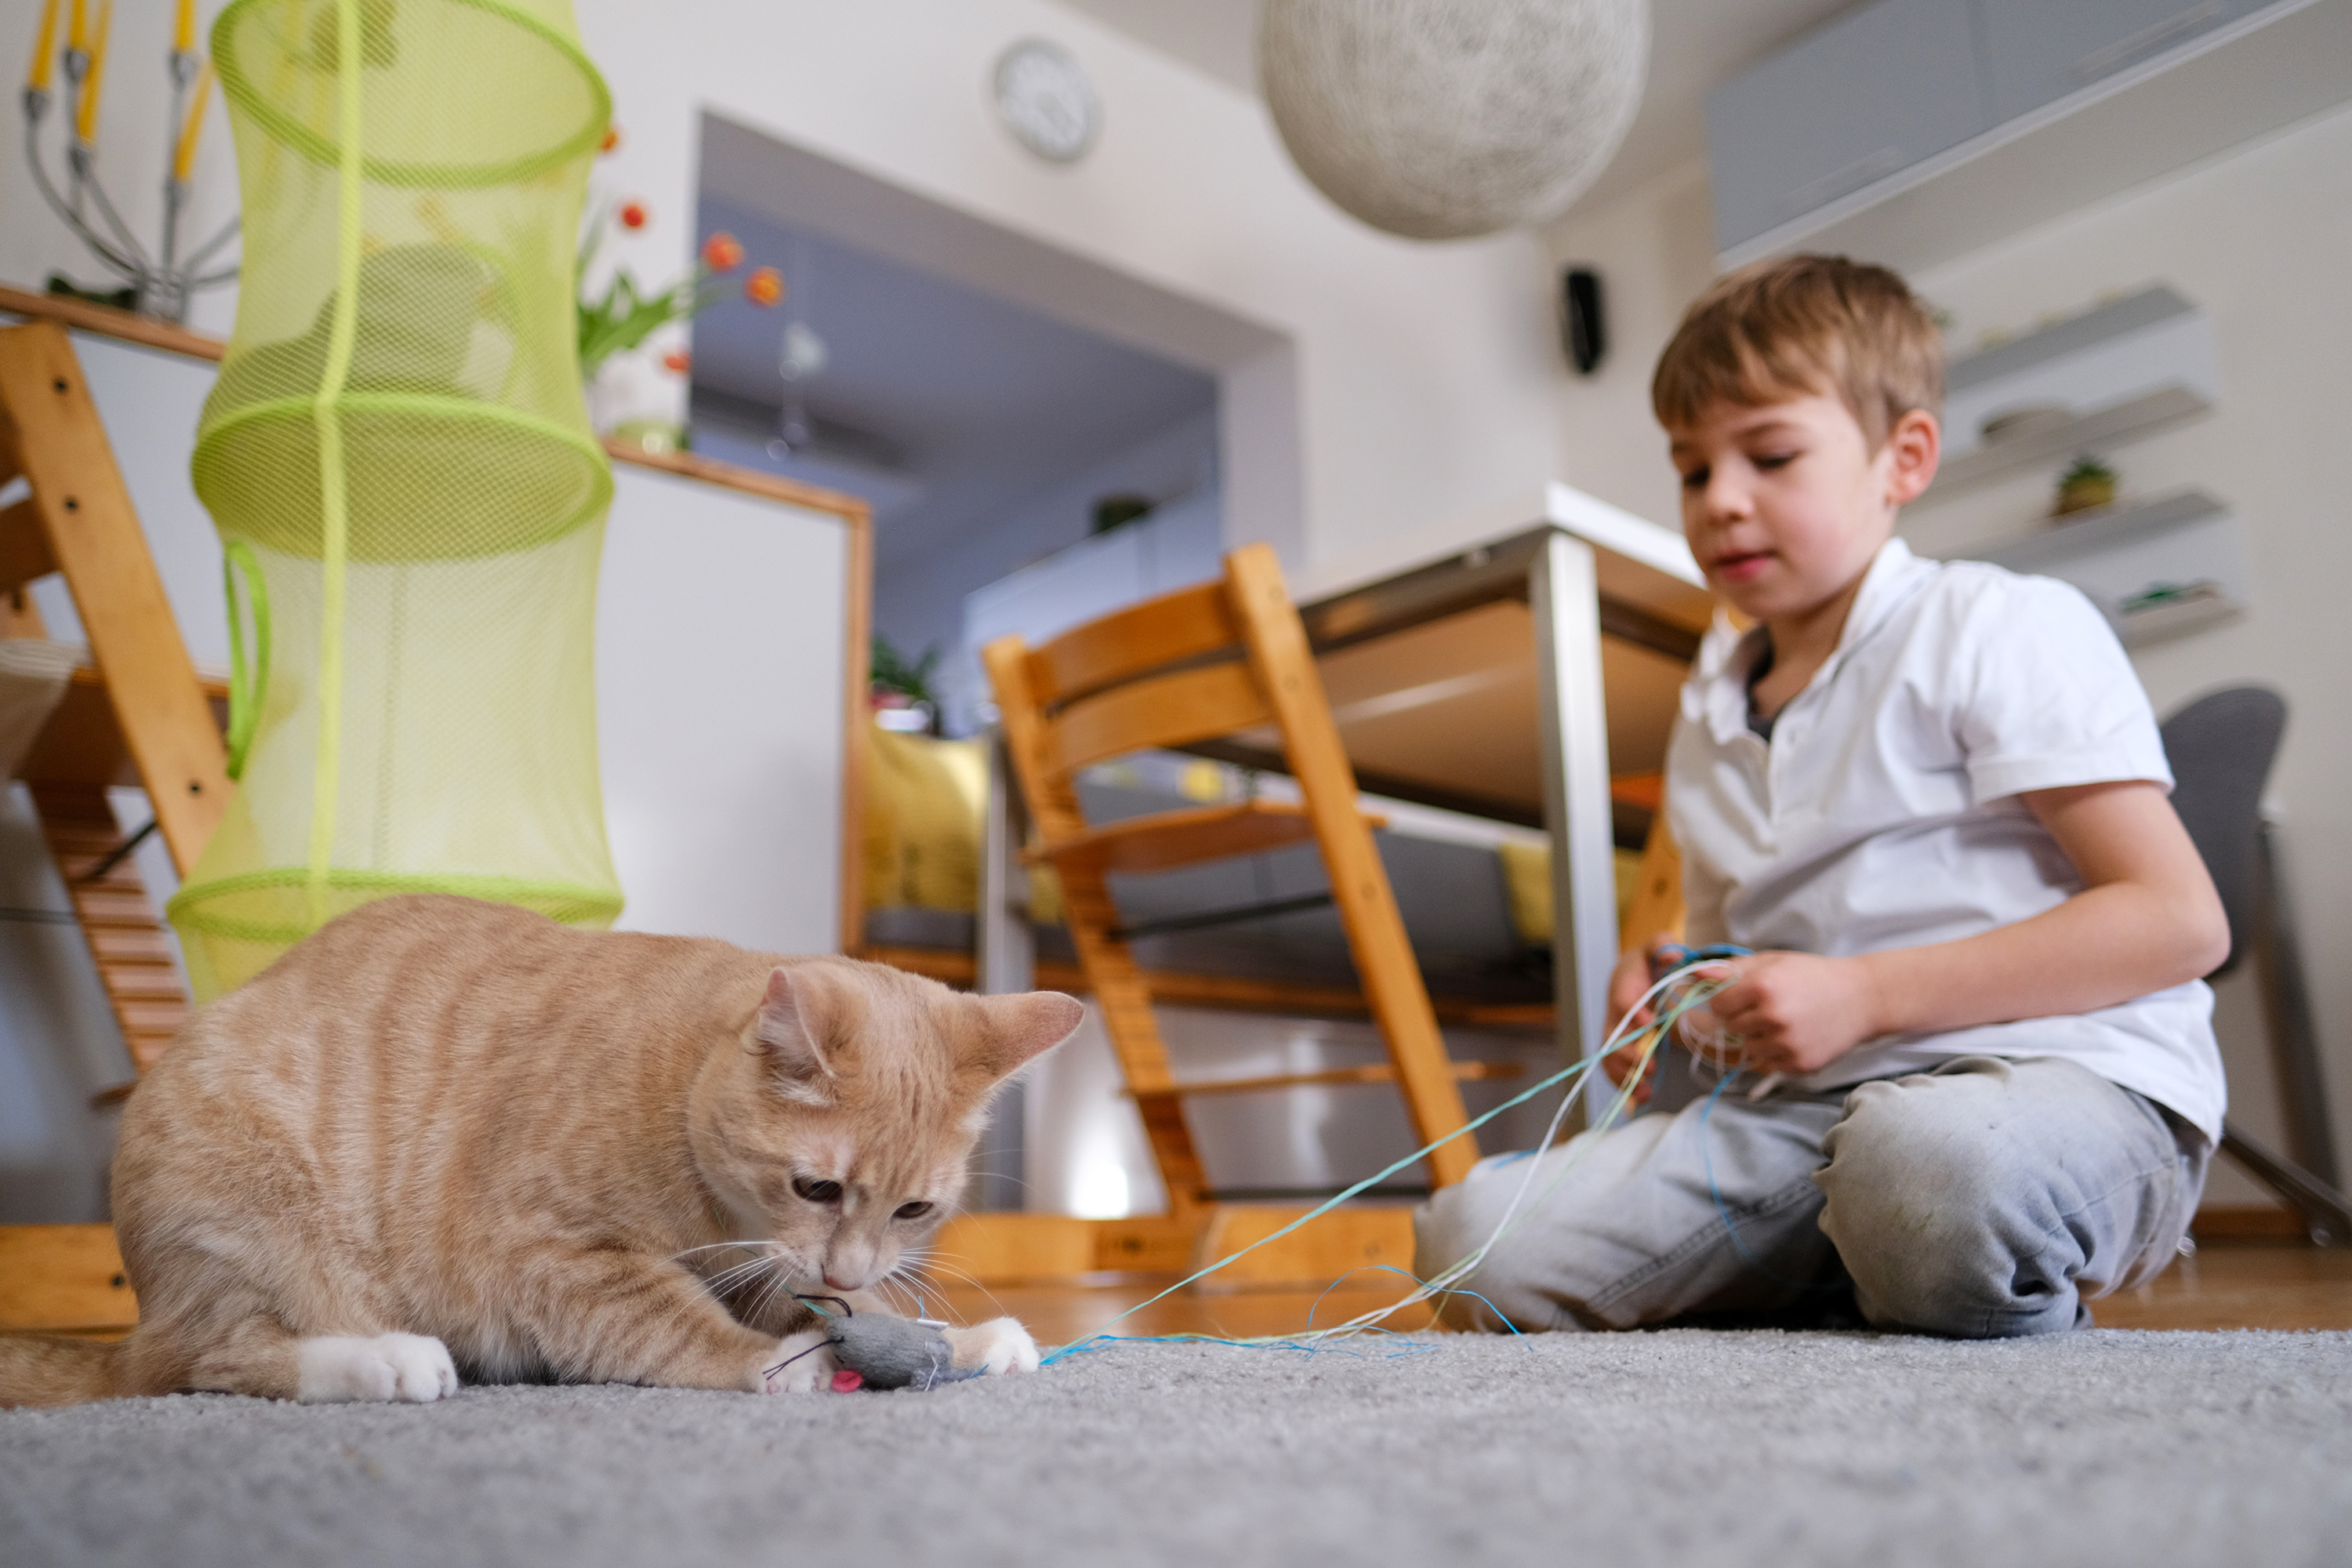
{"type": "Point", "coordinates": [1204, 661]}
{"type": "Point", "coordinates": [1224, 657]}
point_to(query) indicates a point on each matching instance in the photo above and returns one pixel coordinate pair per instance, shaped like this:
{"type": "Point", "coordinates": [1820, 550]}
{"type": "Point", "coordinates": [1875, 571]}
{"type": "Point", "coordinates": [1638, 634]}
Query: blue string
{"type": "Point", "coordinates": [1095, 1342]}
{"type": "Point", "coordinates": [1417, 1279]}
{"type": "Point", "coordinates": [1369, 1181]}
{"type": "Point", "coordinates": [1660, 1025]}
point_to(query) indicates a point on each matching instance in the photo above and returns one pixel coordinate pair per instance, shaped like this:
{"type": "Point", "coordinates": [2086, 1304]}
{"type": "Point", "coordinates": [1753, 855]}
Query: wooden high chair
{"type": "Point", "coordinates": [138, 714]}
{"type": "Point", "coordinates": [1207, 661]}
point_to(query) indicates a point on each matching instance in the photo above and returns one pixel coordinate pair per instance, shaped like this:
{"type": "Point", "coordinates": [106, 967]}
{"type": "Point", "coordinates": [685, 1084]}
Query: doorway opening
{"type": "Point", "coordinates": [1041, 439]}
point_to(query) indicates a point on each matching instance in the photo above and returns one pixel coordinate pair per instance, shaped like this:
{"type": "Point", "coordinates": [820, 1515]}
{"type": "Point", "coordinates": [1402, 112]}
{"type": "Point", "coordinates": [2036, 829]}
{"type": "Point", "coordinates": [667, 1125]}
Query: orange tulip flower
{"type": "Point", "coordinates": [764, 287]}
{"type": "Point", "coordinates": [722, 252]}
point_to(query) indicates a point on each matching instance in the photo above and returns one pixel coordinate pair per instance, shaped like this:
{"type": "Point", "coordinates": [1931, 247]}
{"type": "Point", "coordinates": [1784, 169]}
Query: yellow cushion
{"type": "Point", "coordinates": [923, 804]}
{"type": "Point", "coordinates": [1527, 875]}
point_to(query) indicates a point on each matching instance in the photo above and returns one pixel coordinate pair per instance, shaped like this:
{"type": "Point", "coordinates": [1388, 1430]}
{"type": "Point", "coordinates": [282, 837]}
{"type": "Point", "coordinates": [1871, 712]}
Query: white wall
{"type": "Point", "coordinates": [2261, 237]}
{"type": "Point", "coordinates": [1423, 371]}
{"type": "Point", "coordinates": [1180, 542]}
{"type": "Point", "coordinates": [1653, 249]}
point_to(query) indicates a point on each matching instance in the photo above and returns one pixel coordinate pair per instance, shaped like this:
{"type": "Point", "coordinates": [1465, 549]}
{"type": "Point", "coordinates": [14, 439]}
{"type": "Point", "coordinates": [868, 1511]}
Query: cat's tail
{"type": "Point", "coordinates": [47, 1369]}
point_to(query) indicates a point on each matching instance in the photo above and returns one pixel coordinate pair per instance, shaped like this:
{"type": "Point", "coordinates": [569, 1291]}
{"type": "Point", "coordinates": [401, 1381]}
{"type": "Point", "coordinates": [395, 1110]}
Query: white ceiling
{"type": "Point", "coordinates": [1695, 44]}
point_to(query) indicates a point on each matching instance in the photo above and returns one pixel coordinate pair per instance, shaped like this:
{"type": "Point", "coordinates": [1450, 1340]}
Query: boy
{"type": "Point", "coordinates": [1933, 800]}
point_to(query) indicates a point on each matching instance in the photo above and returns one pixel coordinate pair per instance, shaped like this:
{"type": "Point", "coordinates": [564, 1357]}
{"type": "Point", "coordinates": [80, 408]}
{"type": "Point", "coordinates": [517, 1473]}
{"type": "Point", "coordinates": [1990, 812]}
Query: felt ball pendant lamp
{"type": "Point", "coordinates": [1445, 119]}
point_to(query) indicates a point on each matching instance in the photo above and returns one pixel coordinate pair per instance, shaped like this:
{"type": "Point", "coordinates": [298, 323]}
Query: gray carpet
{"type": "Point", "coordinates": [1684, 1447]}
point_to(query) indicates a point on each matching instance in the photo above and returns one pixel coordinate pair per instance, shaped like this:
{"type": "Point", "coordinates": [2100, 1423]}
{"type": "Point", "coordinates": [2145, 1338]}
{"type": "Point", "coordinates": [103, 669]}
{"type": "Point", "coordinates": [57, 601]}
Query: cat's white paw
{"type": "Point", "coordinates": [801, 1363]}
{"type": "Point", "coordinates": [998, 1345]}
{"type": "Point", "coordinates": [337, 1369]}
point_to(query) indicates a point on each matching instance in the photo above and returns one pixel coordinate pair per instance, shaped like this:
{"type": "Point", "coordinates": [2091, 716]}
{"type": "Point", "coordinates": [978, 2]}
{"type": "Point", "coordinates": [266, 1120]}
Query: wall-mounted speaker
{"type": "Point", "coordinates": [1582, 332]}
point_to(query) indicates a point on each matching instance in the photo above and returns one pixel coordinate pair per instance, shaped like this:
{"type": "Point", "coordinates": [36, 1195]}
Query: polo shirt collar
{"type": "Point", "coordinates": [1895, 576]}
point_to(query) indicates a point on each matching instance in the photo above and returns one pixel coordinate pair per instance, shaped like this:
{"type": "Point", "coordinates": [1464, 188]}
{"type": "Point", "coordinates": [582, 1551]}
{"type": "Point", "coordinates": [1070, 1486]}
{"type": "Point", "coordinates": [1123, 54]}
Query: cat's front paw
{"type": "Point", "coordinates": [998, 1345]}
{"type": "Point", "coordinates": [339, 1369]}
{"type": "Point", "coordinates": [801, 1363]}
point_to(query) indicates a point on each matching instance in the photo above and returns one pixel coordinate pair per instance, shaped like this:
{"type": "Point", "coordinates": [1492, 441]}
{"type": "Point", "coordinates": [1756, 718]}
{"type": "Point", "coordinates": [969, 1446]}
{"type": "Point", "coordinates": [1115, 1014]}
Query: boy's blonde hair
{"type": "Point", "coordinates": [1800, 324]}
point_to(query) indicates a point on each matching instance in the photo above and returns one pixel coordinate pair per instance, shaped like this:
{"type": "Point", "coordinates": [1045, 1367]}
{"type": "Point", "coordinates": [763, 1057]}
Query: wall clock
{"type": "Point", "coordinates": [1046, 101]}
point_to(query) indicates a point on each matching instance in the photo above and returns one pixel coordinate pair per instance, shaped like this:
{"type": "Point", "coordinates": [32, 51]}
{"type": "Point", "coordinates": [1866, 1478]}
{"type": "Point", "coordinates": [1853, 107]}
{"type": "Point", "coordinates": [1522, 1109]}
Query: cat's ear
{"type": "Point", "coordinates": [789, 1025]}
{"type": "Point", "coordinates": [1018, 1029]}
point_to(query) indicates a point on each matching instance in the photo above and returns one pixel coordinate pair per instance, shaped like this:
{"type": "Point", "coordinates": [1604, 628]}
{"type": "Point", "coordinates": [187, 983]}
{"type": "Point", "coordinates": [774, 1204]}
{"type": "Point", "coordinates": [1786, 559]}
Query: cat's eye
{"type": "Point", "coordinates": [916, 1210]}
{"type": "Point", "coordinates": [817, 1191]}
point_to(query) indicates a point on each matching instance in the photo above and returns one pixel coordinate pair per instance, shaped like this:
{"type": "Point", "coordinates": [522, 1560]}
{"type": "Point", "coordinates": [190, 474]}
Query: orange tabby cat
{"type": "Point", "coordinates": [443, 1134]}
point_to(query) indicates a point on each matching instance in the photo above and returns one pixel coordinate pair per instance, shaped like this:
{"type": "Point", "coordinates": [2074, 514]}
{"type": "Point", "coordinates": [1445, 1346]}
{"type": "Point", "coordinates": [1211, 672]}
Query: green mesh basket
{"type": "Point", "coordinates": [398, 459]}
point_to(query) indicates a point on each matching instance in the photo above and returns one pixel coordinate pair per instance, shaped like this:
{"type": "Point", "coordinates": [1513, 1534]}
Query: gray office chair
{"type": "Point", "coordinates": [2221, 747]}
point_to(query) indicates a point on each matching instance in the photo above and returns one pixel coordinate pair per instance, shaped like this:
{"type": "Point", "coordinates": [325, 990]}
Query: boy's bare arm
{"type": "Point", "coordinates": [2147, 919]}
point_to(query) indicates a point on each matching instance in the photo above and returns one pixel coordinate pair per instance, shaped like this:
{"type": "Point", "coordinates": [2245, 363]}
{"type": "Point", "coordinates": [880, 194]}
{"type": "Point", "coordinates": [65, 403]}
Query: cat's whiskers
{"type": "Point", "coordinates": [756, 1243]}
{"type": "Point", "coordinates": [895, 1296]}
{"type": "Point", "coordinates": [726, 1280]}
{"type": "Point", "coordinates": [781, 1282]}
{"type": "Point", "coordinates": [925, 1268]}
{"type": "Point", "coordinates": [902, 1295]}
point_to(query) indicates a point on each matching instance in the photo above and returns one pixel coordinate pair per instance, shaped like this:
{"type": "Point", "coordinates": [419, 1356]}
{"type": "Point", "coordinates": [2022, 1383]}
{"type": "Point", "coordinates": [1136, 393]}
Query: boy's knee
{"type": "Point", "coordinates": [1447, 1229]}
{"type": "Point", "coordinates": [1934, 1213]}
{"type": "Point", "coordinates": [1453, 1225]}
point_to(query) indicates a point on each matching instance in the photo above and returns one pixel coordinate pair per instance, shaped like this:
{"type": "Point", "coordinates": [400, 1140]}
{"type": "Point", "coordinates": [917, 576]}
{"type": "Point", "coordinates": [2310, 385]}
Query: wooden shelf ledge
{"type": "Point", "coordinates": [125, 327]}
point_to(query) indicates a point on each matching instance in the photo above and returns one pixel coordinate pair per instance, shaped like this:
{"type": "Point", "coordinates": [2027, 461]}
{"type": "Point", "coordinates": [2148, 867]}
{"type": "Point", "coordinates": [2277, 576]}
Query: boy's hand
{"type": "Point", "coordinates": [1627, 981]}
{"type": "Point", "coordinates": [1796, 1012]}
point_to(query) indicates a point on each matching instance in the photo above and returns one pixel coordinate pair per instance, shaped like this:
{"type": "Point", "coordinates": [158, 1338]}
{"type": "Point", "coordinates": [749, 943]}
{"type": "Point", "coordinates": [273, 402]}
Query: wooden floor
{"type": "Point", "coordinates": [2235, 1286]}
{"type": "Point", "coordinates": [69, 1278]}
{"type": "Point", "coordinates": [2240, 1288]}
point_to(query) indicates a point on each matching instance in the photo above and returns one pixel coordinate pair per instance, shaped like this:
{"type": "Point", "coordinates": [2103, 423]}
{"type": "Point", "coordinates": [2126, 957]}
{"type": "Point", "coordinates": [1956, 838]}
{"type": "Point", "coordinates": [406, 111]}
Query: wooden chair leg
{"type": "Point", "coordinates": [1125, 1001]}
{"type": "Point", "coordinates": [1359, 884]}
{"type": "Point", "coordinates": [1400, 1005]}
{"type": "Point", "coordinates": [118, 918]}
{"type": "Point", "coordinates": [1657, 907]}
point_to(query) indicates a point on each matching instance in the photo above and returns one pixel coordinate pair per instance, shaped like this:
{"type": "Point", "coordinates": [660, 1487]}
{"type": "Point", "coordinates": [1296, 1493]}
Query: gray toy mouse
{"type": "Point", "coordinates": [882, 1351]}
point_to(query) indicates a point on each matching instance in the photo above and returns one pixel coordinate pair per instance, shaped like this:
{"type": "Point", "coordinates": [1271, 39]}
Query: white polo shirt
{"type": "Point", "coordinates": [1883, 812]}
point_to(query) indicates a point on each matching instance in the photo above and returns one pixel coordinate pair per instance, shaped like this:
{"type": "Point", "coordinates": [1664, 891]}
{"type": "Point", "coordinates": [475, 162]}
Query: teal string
{"type": "Point", "coordinates": [1417, 1279]}
{"type": "Point", "coordinates": [1093, 1343]}
{"type": "Point", "coordinates": [1583, 1065]}
{"type": "Point", "coordinates": [1369, 1181]}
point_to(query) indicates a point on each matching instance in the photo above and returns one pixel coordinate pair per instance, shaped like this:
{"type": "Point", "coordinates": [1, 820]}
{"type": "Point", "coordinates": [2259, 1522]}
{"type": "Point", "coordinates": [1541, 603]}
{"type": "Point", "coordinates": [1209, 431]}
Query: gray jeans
{"type": "Point", "coordinates": [1988, 1198]}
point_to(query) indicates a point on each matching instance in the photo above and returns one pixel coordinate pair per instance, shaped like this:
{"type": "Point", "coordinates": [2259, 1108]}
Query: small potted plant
{"type": "Point", "coordinates": [2088, 485]}
{"type": "Point", "coordinates": [902, 696]}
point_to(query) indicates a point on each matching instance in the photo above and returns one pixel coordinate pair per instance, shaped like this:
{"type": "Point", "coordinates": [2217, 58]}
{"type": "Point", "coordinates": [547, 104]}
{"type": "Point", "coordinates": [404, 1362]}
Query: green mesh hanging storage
{"type": "Point", "coordinates": [398, 459]}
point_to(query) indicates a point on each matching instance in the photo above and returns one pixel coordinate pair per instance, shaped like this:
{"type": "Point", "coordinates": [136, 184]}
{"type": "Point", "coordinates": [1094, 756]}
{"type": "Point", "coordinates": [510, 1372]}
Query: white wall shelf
{"type": "Point", "coordinates": [2124, 370]}
{"type": "Point", "coordinates": [2246, 71]}
{"type": "Point", "coordinates": [2159, 568]}
{"type": "Point", "coordinates": [2039, 439]}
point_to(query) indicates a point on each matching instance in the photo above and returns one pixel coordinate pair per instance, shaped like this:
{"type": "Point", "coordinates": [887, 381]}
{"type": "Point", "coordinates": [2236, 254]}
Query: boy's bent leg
{"type": "Point", "coordinates": [1993, 1198]}
{"type": "Point", "coordinates": [1621, 1227]}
